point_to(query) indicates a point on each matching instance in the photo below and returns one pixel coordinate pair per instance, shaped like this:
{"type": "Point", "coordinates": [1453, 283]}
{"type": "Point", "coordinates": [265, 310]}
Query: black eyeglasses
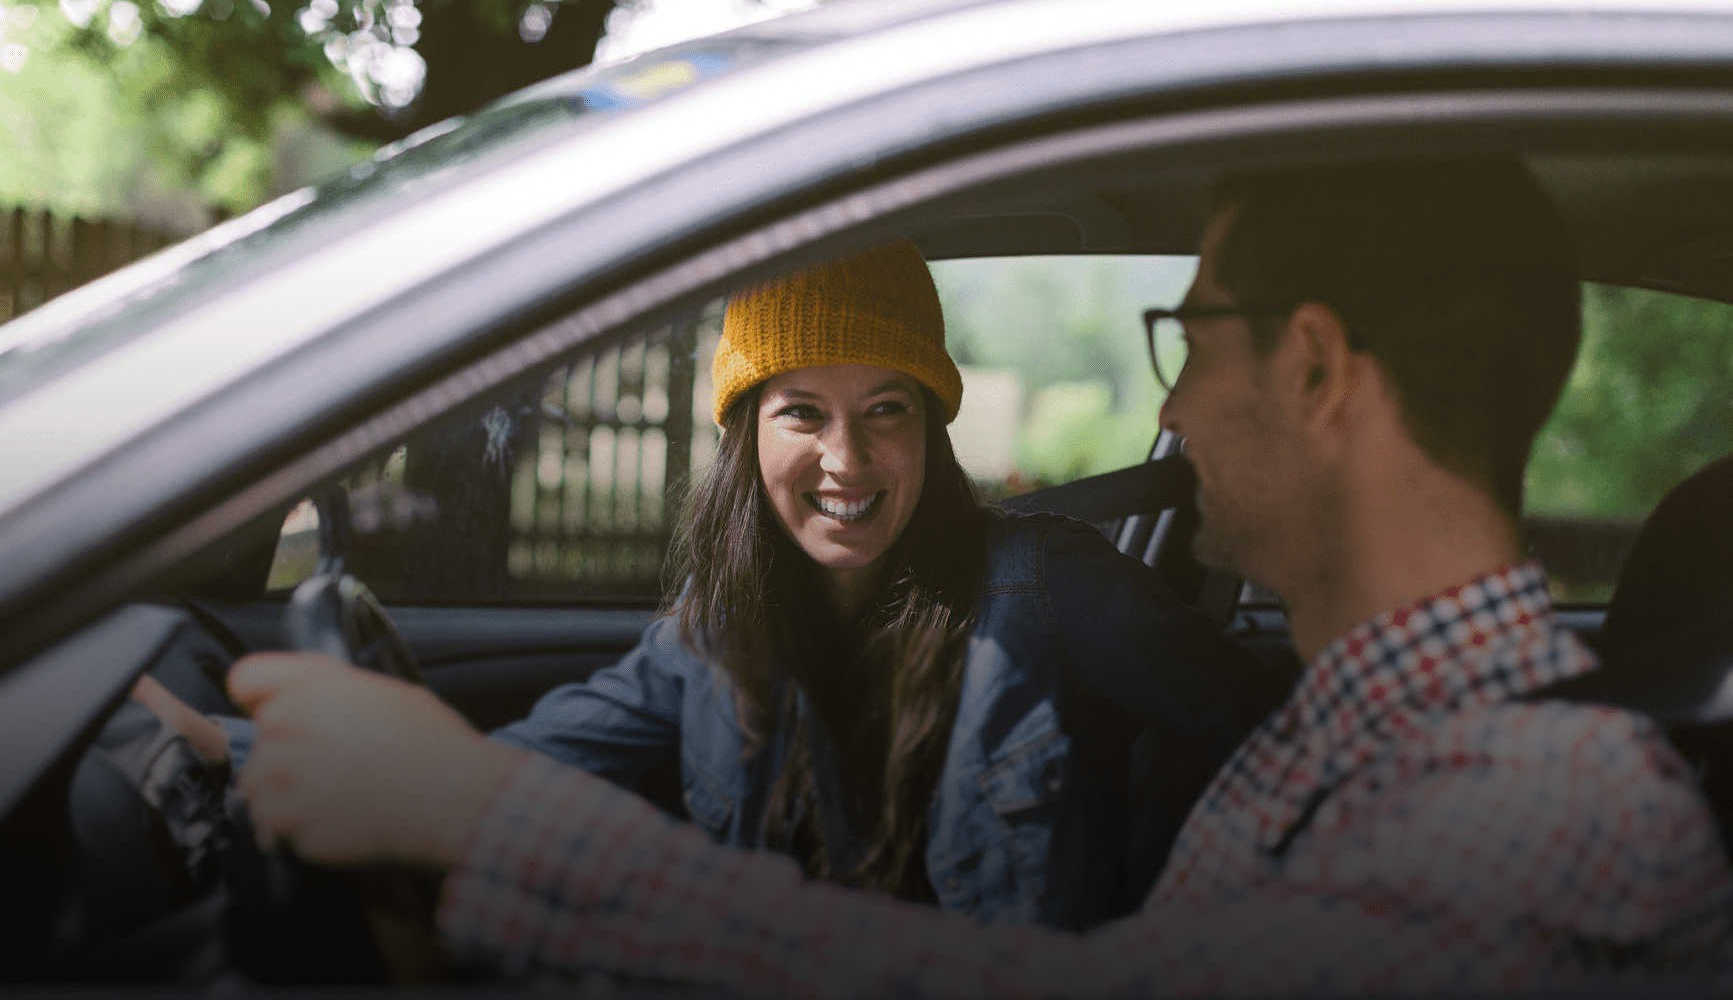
{"type": "Point", "coordinates": [1165, 330]}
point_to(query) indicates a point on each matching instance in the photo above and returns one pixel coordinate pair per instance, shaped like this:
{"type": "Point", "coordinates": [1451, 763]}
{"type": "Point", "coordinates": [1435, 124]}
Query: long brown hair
{"type": "Point", "coordinates": [889, 701]}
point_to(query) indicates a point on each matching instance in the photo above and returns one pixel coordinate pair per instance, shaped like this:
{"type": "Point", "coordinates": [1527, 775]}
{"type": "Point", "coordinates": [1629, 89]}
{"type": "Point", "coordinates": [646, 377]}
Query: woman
{"type": "Point", "coordinates": [867, 669]}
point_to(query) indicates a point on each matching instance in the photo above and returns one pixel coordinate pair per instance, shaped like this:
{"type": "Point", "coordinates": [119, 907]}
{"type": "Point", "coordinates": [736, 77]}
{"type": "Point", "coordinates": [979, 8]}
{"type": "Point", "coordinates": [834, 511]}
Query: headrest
{"type": "Point", "coordinates": [1677, 583]}
{"type": "Point", "coordinates": [1667, 642]}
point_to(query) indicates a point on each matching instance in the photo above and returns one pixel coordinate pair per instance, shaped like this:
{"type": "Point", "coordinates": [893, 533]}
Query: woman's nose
{"type": "Point", "coordinates": [845, 447]}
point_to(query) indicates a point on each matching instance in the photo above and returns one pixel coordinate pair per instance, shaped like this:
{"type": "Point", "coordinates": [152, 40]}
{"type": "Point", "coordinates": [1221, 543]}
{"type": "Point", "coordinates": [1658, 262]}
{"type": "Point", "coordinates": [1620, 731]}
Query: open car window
{"type": "Point", "coordinates": [568, 486]}
{"type": "Point", "coordinates": [1649, 402]}
{"type": "Point", "coordinates": [1052, 352]}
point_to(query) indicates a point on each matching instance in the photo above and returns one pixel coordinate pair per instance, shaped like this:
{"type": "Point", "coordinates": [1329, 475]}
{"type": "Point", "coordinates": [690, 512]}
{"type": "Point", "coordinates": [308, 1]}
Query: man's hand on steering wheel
{"type": "Point", "coordinates": [353, 768]}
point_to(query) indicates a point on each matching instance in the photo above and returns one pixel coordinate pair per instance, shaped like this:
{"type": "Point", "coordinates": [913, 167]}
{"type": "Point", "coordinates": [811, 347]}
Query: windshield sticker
{"type": "Point", "coordinates": [636, 85]}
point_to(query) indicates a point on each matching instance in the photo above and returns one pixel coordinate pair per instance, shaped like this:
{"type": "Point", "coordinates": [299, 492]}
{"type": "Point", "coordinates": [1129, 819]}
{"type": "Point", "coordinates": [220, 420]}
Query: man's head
{"type": "Point", "coordinates": [1453, 279]}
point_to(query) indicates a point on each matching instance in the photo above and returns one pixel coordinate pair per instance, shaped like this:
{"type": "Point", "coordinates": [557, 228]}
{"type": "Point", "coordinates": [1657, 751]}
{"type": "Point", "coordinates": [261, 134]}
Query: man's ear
{"type": "Point", "coordinates": [1325, 361]}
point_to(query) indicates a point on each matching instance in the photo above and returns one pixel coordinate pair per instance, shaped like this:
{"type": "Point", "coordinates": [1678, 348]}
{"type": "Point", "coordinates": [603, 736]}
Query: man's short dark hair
{"type": "Point", "coordinates": [1456, 275]}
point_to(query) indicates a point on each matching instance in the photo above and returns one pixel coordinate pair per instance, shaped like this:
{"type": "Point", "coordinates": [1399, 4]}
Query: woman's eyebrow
{"type": "Point", "coordinates": [889, 385]}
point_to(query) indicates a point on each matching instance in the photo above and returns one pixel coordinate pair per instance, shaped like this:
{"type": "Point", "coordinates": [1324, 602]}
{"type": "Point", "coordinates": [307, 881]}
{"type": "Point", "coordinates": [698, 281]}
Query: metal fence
{"type": "Point", "coordinates": [43, 253]}
{"type": "Point", "coordinates": [564, 489]}
{"type": "Point", "coordinates": [593, 507]}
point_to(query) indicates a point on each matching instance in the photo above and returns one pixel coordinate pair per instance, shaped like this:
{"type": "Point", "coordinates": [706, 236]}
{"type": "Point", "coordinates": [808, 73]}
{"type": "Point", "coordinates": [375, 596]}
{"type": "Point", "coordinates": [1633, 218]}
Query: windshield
{"type": "Point", "coordinates": [43, 345]}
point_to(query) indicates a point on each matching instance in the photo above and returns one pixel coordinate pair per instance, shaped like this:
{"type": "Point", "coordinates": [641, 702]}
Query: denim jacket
{"type": "Point", "coordinates": [1079, 666]}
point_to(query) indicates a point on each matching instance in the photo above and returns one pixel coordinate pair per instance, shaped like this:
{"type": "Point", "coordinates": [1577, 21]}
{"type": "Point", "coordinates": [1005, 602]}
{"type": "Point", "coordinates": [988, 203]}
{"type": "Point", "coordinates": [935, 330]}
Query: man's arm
{"type": "Point", "coordinates": [568, 873]}
{"type": "Point", "coordinates": [550, 868]}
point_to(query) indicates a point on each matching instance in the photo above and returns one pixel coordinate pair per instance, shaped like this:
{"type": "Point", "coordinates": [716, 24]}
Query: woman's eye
{"type": "Point", "coordinates": [889, 407]}
{"type": "Point", "coordinates": [799, 411]}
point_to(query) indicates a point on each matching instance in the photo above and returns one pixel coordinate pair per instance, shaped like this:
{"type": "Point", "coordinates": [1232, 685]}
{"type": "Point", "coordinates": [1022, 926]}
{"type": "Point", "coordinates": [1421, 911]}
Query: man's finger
{"type": "Point", "coordinates": [150, 693]}
{"type": "Point", "coordinates": [258, 678]}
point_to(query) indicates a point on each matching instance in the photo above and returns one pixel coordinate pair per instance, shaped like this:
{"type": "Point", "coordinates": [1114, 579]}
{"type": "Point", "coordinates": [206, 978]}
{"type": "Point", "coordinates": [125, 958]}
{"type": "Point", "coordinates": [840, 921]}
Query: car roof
{"type": "Point", "coordinates": [945, 36]}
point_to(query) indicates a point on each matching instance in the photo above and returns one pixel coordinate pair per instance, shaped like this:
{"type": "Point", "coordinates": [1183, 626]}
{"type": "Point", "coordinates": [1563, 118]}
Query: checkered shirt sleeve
{"type": "Point", "coordinates": [568, 873]}
{"type": "Point", "coordinates": [1408, 822]}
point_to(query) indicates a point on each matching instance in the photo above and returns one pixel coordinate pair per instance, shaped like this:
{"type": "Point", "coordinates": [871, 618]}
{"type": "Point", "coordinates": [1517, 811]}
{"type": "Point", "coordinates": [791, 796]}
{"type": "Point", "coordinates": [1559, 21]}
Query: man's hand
{"type": "Point", "coordinates": [354, 768]}
{"type": "Point", "coordinates": [205, 737]}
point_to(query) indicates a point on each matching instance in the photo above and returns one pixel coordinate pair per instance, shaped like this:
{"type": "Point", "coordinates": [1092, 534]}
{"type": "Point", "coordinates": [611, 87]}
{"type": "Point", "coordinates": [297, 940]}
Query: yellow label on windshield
{"type": "Point", "coordinates": [654, 81]}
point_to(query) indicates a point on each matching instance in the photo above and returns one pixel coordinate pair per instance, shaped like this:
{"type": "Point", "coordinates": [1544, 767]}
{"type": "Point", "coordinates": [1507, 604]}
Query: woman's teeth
{"type": "Point", "coordinates": [845, 510]}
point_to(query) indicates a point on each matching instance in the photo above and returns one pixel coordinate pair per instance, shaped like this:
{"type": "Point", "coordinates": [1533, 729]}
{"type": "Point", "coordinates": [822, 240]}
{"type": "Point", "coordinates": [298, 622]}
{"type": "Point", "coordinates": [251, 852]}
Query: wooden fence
{"type": "Point", "coordinates": [43, 253]}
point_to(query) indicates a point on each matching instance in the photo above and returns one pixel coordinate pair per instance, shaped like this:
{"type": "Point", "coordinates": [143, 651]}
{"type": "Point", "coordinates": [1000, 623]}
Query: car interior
{"type": "Point", "coordinates": [561, 578]}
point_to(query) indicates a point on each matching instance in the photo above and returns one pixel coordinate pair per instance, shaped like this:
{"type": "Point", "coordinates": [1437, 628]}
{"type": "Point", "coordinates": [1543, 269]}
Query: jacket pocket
{"type": "Point", "coordinates": [1022, 786]}
{"type": "Point", "coordinates": [1027, 777]}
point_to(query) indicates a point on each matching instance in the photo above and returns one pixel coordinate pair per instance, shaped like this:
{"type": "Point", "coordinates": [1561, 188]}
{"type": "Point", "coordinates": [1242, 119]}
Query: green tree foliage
{"type": "Point", "coordinates": [112, 129]}
{"type": "Point", "coordinates": [1647, 405]}
{"type": "Point", "coordinates": [1070, 329]}
{"type": "Point", "coordinates": [407, 63]}
{"type": "Point", "coordinates": [1072, 429]}
{"type": "Point", "coordinates": [103, 102]}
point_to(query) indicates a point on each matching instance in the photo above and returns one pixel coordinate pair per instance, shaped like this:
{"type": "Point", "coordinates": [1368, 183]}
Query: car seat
{"type": "Point", "coordinates": [1667, 642]}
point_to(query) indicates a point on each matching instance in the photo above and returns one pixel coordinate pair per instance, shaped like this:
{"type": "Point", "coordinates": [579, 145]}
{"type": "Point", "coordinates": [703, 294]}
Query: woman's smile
{"type": "Point", "coordinates": [848, 510]}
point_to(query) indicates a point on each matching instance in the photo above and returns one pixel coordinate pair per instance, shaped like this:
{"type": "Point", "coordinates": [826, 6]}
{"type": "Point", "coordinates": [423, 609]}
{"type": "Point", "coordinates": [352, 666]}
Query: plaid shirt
{"type": "Point", "coordinates": [1405, 822]}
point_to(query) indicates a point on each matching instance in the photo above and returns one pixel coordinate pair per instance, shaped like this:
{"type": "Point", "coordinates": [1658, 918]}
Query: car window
{"type": "Point", "coordinates": [1649, 403]}
{"type": "Point", "coordinates": [561, 487]}
{"type": "Point", "coordinates": [568, 487]}
{"type": "Point", "coordinates": [1055, 367]}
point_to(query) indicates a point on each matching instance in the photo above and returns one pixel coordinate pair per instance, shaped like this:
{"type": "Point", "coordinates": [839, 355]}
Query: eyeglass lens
{"type": "Point", "coordinates": [1167, 351]}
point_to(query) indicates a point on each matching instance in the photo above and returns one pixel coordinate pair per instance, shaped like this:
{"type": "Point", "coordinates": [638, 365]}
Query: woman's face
{"type": "Point", "coordinates": [842, 451]}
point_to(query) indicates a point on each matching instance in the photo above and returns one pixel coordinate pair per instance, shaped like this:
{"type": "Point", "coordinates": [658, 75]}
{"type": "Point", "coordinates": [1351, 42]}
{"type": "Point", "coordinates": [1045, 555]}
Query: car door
{"type": "Point", "coordinates": [1135, 125]}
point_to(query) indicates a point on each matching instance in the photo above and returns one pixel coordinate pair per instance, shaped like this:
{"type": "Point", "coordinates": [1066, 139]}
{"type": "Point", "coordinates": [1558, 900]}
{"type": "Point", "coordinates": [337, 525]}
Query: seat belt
{"type": "Point", "coordinates": [1139, 489]}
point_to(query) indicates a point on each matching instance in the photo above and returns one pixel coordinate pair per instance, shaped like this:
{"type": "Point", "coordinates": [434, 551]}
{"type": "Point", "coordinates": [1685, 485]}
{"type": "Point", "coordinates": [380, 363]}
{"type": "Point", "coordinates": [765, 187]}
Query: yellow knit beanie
{"type": "Point", "coordinates": [876, 308]}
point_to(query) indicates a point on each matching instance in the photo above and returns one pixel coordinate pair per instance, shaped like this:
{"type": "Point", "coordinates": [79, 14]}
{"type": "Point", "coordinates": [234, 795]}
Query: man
{"type": "Point", "coordinates": [1371, 352]}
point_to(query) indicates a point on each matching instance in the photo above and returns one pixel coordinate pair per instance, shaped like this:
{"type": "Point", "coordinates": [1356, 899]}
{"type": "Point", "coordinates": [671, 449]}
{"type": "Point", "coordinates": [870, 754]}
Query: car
{"type": "Point", "coordinates": [470, 372]}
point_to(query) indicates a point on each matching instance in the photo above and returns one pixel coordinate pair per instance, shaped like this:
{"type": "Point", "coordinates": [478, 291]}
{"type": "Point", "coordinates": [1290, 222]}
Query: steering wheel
{"type": "Point", "coordinates": [368, 924]}
{"type": "Point", "coordinates": [334, 613]}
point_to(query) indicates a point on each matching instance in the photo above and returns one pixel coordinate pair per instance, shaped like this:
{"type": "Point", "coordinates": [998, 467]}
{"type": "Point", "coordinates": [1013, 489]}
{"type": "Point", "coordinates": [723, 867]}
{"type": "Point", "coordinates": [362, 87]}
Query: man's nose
{"type": "Point", "coordinates": [1169, 417]}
